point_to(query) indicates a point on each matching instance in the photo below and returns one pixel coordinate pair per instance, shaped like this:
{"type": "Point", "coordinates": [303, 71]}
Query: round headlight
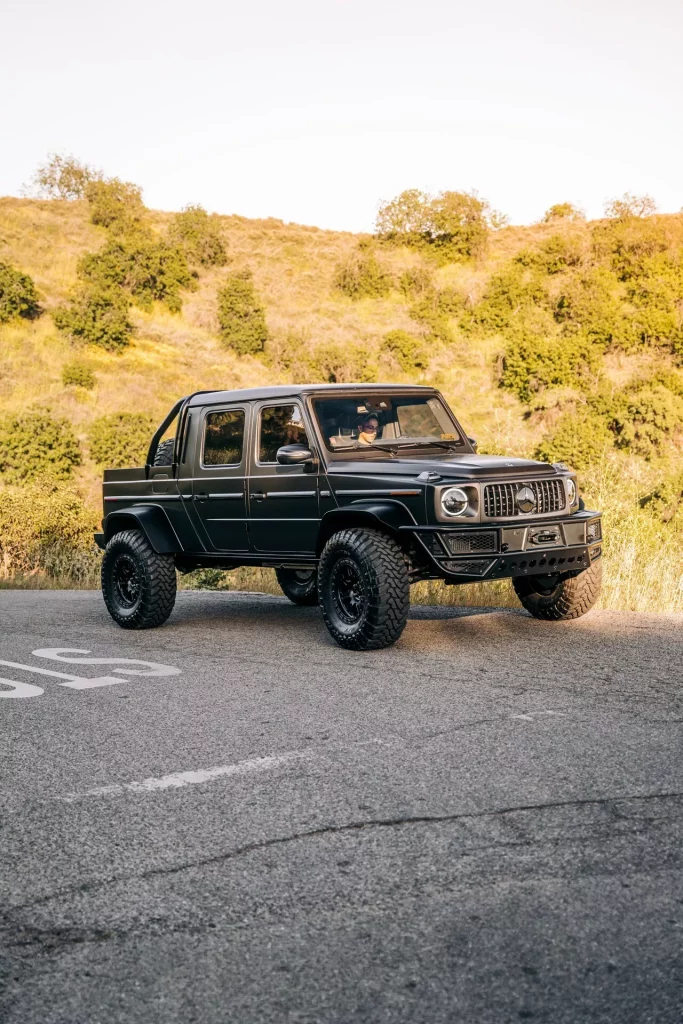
{"type": "Point", "coordinates": [454, 501]}
{"type": "Point", "coordinates": [571, 491]}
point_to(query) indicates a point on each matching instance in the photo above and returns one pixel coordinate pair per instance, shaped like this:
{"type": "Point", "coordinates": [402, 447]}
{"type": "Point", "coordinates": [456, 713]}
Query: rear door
{"type": "Point", "coordinates": [219, 484]}
{"type": "Point", "coordinates": [283, 500]}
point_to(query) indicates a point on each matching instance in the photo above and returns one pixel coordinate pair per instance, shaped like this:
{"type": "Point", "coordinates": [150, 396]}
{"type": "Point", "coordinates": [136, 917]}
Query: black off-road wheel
{"type": "Point", "coordinates": [555, 599]}
{"type": "Point", "coordinates": [364, 589]}
{"type": "Point", "coordinates": [299, 585]}
{"type": "Point", "coordinates": [138, 585]}
{"type": "Point", "coordinates": [164, 453]}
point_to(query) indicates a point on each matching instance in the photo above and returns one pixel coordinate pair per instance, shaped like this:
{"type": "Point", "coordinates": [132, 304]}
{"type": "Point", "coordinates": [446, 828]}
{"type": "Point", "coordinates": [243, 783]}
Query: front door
{"type": "Point", "coordinates": [219, 485]}
{"type": "Point", "coordinates": [283, 500]}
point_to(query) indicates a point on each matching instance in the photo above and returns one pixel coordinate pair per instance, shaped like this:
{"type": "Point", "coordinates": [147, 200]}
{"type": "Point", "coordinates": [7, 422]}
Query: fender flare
{"type": "Point", "coordinates": [383, 515]}
{"type": "Point", "coordinates": [151, 520]}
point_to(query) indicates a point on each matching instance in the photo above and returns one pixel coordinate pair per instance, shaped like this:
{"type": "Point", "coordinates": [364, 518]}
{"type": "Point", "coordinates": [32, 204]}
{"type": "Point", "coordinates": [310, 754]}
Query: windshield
{"type": "Point", "coordinates": [386, 421]}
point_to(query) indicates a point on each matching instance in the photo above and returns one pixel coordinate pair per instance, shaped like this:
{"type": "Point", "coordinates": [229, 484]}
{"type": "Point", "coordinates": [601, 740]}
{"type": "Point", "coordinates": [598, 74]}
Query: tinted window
{"type": "Point", "coordinates": [280, 425]}
{"type": "Point", "coordinates": [224, 438]}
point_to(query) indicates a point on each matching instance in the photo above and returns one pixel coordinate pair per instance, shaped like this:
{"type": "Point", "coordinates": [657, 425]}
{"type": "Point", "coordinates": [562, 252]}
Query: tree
{"type": "Point", "coordinates": [630, 205]}
{"type": "Point", "coordinates": [563, 211]}
{"type": "Point", "coordinates": [409, 214]}
{"type": "Point", "coordinates": [18, 297]}
{"type": "Point", "coordinates": [61, 177]}
{"type": "Point", "coordinates": [452, 225]}
{"type": "Point", "coordinates": [114, 204]}
{"type": "Point", "coordinates": [97, 316]}
{"type": "Point", "coordinates": [150, 268]}
{"type": "Point", "coordinates": [240, 314]}
{"type": "Point", "coordinates": [200, 236]}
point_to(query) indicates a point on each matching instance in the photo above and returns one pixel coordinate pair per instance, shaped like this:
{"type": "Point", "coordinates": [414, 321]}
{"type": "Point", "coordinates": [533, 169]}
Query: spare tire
{"type": "Point", "coordinates": [164, 453]}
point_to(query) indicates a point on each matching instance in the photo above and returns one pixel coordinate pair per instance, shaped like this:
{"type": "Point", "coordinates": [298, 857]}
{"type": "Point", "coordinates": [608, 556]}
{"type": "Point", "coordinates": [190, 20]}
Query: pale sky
{"type": "Point", "coordinates": [314, 110]}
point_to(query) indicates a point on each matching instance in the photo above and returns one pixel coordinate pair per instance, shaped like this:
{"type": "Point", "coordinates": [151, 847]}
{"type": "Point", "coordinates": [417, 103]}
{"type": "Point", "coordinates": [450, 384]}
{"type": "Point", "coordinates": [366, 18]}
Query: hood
{"type": "Point", "coordinates": [467, 466]}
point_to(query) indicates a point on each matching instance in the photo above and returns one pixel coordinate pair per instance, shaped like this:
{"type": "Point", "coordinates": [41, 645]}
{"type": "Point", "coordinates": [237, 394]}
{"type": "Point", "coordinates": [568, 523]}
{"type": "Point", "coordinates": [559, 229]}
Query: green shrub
{"type": "Point", "coordinates": [532, 364]}
{"type": "Point", "coordinates": [580, 439]}
{"type": "Point", "coordinates": [121, 440]}
{"type": "Point", "coordinates": [630, 205]}
{"type": "Point", "coordinates": [115, 204]}
{"type": "Point", "coordinates": [416, 283]}
{"type": "Point", "coordinates": [626, 243]}
{"type": "Point", "coordinates": [334, 363]}
{"type": "Point", "coordinates": [18, 297]}
{"type": "Point", "coordinates": [360, 276]}
{"type": "Point", "coordinates": [149, 268]}
{"type": "Point", "coordinates": [240, 314]}
{"type": "Point", "coordinates": [35, 444]}
{"type": "Point", "coordinates": [409, 351]}
{"type": "Point", "coordinates": [509, 295]}
{"type": "Point", "coordinates": [97, 317]}
{"type": "Point", "coordinates": [200, 236]}
{"type": "Point", "coordinates": [61, 177]}
{"type": "Point", "coordinates": [563, 211]}
{"type": "Point", "coordinates": [48, 530]}
{"type": "Point", "coordinates": [648, 416]}
{"type": "Point", "coordinates": [592, 305]}
{"type": "Point", "coordinates": [451, 225]}
{"type": "Point", "coordinates": [79, 375]}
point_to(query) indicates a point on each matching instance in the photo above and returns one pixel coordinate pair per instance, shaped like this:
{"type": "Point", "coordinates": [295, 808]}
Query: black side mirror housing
{"type": "Point", "coordinates": [294, 454]}
{"type": "Point", "coordinates": [473, 442]}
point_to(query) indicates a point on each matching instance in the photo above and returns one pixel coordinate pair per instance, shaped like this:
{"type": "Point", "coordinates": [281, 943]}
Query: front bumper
{"type": "Point", "coordinates": [522, 548]}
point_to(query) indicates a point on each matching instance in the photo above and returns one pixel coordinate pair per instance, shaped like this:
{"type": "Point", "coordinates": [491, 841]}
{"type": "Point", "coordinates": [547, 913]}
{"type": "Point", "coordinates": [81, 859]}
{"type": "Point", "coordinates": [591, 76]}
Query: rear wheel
{"type": "Point", "coordinates": [299, 585]}
{"type": "Point", "coordinates": [364, 589]}
{"type": "Point", "coordinates": [554, 599]}
{"type": "Point", "coordinates": [138, 585]}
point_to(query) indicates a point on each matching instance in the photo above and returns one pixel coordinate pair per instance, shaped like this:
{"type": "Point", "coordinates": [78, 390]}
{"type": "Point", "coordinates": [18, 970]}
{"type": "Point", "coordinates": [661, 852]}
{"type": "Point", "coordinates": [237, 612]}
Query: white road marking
{"type": "Point", "coordinates": [192, 778]}
{"type": "Point", "coordinates": [19, 689]}
{"type": "Point", "coordinates": [534, 714]}
{"type": "Point", "coordinates": [150, 668]}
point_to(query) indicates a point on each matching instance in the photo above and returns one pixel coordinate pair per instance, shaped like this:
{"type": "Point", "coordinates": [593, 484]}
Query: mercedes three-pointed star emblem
{"type": "Point", "coordinates": [526, 499]}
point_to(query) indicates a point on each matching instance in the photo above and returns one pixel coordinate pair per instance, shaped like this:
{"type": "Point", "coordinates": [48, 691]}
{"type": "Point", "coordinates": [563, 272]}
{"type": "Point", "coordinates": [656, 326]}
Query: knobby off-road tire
{"type": "Point", "coordinates": [568, 599]}
{"type": "Point", "coordinates": [138, 585]}
{"type": "Point", "coordinates": [164, 453]}
{"type": "Point", "coordinates": [364, 589]}
{"type": "Point", "coordinates": [299, 585]}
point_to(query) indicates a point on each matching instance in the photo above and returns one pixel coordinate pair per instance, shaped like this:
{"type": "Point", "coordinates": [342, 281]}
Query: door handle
{"type": "Point", "coordinates": [257, 495]}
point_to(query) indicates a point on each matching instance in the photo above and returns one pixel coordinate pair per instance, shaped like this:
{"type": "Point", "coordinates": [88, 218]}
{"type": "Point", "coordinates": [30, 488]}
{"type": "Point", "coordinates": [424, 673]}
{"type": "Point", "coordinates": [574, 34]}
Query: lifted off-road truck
{"type": "Point", "coordinates": [351, 493]}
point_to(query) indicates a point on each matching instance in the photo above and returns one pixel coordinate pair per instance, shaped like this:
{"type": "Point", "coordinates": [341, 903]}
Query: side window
{"type": "Point", "coordinates": [224, 438]}
{"type": "Point", "coordinates": [280, 425]}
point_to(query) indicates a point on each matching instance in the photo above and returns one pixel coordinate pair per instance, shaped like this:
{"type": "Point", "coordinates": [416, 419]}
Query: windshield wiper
{"type": "Point", "coordinates": [448, 445]}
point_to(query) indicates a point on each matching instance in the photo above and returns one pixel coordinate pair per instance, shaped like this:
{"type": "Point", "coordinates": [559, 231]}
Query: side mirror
{"type": "Point", "coordinates": [473, 442]}
{"type": "Point", "coordinates": [294, 454]}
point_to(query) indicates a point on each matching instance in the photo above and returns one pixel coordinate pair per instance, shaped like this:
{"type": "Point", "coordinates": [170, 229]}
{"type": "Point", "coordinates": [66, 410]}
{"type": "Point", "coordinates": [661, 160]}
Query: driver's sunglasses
{"type": "Point", "coordinates": [369, 429]}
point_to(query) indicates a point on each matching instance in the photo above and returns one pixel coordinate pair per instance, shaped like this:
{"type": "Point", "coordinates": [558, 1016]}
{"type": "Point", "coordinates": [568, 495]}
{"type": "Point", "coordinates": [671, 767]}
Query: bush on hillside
{"type": "Point", "coordinates": [647, 417]}
{"type": "Point", "coordinates": [18, 296]}
{"type": "Point", "coordinates": [240, 314]}
{"type": "Point", "coordinates": [360, 276]}
{"type": "Point", "coordinates": [592, 305]}
{"type": "Point", "coordinates": [97, 316]}
{"type": "Point", "coordinates": [47, 530]}
{"type": "Point", "coordinates": [35, 444]}
{"type": "Point", "coordinates": [434, 312]}
{"type": "Point", "coordinates": [121, 440]}
{"type": "Point", "coordinates": [78, 375]}
{"type": "Point", "coordinates": [508, 296]}
{"type": "Point", "coordinates": [580, 439]}
{"type": "Point", "coordinates": [334, 363]}
{"type": "Point", "coordinates": [451, 225]}
{"type": "Point", "coordinates": [409, 351]}
{"type": "Point", "coordinates": [416, 283]}
{"type": "Point", "coordinates": [200, 237]}
{"type": "Point", "coordinates": [630, 205]}
{"type": "Point", "coordinates": [61, 177]}
{"type": "Point", "coordinates": [147, 267]}
{"type": "Point", "coordinates": [563, 211]}
{"type": "Point", "coordinates": [115, 204]}
{"type": "Point", "coordinates": [533, 363]}
{"type": "Point", "coordinates": [555, 254]}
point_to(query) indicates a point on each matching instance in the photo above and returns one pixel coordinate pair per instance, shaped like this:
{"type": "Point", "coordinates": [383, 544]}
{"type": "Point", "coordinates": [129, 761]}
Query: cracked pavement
{"type": "Point", "coordinates": [482, 824]}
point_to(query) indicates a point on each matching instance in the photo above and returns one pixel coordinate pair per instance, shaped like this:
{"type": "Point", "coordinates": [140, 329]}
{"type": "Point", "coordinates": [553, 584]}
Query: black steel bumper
{"type": "Point", "coordinates": [492, 551]}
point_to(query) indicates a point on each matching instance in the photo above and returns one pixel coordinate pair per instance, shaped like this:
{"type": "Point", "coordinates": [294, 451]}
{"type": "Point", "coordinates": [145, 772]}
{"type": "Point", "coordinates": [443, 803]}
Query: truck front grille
{"type": "Point", "coordinates": [500, 500]}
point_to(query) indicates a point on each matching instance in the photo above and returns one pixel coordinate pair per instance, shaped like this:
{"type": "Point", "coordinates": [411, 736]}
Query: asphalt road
{"type": "Point", "coordinates": [482, 824]}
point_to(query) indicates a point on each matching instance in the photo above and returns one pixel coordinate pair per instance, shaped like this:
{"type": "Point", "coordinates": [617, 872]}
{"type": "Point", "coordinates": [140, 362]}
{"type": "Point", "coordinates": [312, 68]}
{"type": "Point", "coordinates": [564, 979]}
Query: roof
{"type": "Point", "coordinates": [285, 390]}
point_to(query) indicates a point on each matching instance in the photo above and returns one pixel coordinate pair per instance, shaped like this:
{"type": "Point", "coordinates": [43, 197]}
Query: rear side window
{"type": "Point", "coordinates": [224, 438]}
{"type": "Point", "coordinates": [280, 425]}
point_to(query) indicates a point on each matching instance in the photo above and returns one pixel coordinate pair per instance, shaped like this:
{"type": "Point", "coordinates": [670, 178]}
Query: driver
{"type": "Point", "coordinates": [367, 430]}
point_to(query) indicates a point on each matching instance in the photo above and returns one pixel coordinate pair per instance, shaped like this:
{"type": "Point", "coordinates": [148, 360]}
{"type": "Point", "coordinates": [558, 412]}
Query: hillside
{"type": "Point", "coordinates": [315, 329]}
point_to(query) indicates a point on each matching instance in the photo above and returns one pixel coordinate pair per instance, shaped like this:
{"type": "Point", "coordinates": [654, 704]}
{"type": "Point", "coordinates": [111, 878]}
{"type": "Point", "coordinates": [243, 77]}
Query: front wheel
{"type": "Point", "coordinates": [364, 589]}
{"type": "Point", "coordinates": [554, 599]}
{"type": "Point", "coordinates": [299, 585]}
{"type": "Point", "coordinates": [138, 585]}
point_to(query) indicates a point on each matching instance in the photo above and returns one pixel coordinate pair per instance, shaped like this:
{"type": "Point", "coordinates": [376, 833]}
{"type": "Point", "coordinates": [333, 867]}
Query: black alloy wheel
{"type": "Point", "coordinates": [299, 585]}
{"type": "Point", "coordinates": [138, 584]}
{"type": "Point", "coordinates": [364, 589]}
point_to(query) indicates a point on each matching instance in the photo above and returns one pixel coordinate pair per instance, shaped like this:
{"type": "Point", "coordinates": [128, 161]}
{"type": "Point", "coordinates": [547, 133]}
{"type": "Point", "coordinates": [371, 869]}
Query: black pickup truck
{"type": "Point", "coordinates": [351, 493]}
